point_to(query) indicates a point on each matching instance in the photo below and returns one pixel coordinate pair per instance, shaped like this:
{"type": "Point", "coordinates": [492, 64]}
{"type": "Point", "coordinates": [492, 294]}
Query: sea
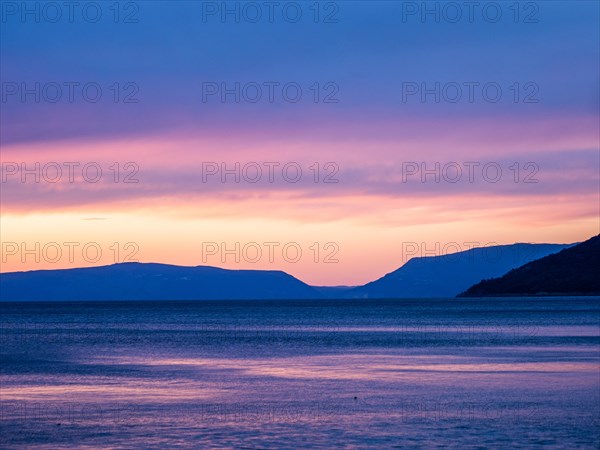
{"type": "Point", "coordinates": [349, 374]}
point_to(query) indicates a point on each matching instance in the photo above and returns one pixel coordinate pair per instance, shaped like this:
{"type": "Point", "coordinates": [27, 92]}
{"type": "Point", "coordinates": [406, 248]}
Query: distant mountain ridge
{"type": "Point", "coordinates": [449, 275]}
{"type": "Point", "coordinates": [573, 271]}
{"type": "Point", "coordinates": [150, 281]}
{"type": "Point", "coordinates": [426, 277]}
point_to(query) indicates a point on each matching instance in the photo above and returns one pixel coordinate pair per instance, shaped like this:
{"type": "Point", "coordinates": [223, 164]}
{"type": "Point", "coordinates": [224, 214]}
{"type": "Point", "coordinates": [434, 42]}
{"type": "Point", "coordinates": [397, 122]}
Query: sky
{"type": "Point", "coordinates": [329, 140]}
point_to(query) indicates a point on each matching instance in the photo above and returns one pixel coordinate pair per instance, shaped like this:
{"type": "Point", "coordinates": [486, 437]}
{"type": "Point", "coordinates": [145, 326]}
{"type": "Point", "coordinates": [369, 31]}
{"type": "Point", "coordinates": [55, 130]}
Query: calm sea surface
{"type": "Point", "coordinates": [499, 373]}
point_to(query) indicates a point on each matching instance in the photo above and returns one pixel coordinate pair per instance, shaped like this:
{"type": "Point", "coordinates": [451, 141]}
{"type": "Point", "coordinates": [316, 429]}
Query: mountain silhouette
{"type": "Point", "coordinates": [149, 281]}
{"type": "Point", "coordinates": [573, 271]}
{"type": "Point", "coordinates": [449, 275]}
{"type": "Point", "coordinates": [426, 277]}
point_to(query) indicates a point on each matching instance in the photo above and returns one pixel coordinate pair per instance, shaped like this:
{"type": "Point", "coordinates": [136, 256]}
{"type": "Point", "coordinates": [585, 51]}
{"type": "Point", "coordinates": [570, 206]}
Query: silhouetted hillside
{"type": "Point", "coordinates": [137, 281]}
{"type": "Point", "coordinates": [573, 271]}
{"type": "Point", "coordinates": [449, 275]}
{"type": "Point", "coordinates": [438, 276]}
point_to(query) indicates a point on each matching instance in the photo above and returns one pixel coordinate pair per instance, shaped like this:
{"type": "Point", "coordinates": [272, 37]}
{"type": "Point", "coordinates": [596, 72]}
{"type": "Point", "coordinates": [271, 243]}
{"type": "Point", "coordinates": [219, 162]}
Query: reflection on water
{"type": "Point", "coordinates": [382, 374]}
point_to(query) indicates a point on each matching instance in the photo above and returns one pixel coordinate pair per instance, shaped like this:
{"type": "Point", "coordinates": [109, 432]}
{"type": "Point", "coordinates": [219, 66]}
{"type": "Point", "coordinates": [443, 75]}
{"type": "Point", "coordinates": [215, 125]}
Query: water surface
{"type": "Point", "coordinates": [466, 373]}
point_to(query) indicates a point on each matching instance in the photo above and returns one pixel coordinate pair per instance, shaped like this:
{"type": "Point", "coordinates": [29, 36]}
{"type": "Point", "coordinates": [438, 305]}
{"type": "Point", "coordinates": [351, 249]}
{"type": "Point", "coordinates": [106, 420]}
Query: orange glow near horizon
{"type": "Point", "coordinates": [349, 232]}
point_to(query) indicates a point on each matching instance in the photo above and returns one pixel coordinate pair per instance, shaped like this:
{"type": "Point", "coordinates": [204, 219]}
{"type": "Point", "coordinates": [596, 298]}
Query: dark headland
{"type": "Point", "coordinates": [572, 271]}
